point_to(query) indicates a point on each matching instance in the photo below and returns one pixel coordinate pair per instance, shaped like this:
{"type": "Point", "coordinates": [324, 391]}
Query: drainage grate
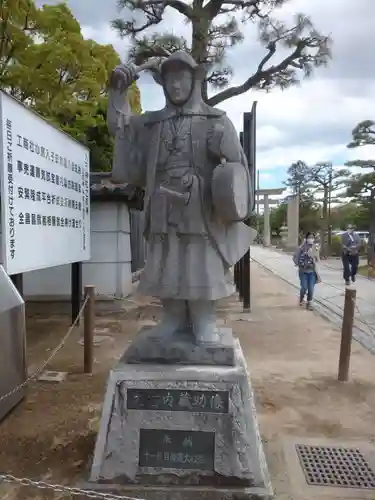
{"type": "Point", "coordinates": [335, 466]}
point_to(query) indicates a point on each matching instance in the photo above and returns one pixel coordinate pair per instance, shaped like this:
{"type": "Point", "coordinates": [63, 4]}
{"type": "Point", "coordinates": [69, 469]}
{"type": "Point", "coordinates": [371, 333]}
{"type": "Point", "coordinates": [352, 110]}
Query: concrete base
{"type": "Point", "coordinates": [181, 348]}
{"type": "Point", "coordinates": [179, 493]}
{"type": "Point", "coordinates": [185, 430]}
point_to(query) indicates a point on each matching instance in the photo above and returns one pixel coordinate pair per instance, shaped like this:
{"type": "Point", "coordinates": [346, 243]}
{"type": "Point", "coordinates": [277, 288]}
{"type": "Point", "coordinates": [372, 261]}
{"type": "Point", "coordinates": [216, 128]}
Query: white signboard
{"type": "Point", "coordinates": [45, 194]}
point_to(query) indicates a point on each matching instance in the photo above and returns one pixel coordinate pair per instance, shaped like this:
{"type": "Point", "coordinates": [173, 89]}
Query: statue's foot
{"type": "Point", "coordinates": [208, 334]}
{"type": "Point", "coordinates": [203, 318]}
{"type": "Point", "coordinates": [165, 328]}
{"type": "Point", "coordinates": [174, 318]}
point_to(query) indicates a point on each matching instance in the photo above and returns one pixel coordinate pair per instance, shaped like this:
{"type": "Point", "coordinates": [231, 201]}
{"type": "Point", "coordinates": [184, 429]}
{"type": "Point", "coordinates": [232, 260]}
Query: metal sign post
{"type": "Point", "coordinates": [248, 141]}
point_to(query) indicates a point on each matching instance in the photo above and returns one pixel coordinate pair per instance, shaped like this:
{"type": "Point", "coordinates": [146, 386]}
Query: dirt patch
{"type": "Point", "coordinates": [292, 355]}
{"type": "Point", "coordinates": [293, 358]}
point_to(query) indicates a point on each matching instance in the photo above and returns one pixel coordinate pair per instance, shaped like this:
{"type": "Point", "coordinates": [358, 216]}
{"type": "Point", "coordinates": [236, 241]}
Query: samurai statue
{"type": "Point", "coordinates": [189, 160]}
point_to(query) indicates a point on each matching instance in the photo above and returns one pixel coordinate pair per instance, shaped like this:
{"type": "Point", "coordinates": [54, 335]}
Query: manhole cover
{"type": "Point", "coordinates": [335, 466]}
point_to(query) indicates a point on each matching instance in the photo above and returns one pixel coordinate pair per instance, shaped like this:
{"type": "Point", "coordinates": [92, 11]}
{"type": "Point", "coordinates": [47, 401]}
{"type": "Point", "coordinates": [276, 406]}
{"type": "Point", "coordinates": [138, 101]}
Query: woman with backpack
{"type": "Point", "coordinates": [306, 258]}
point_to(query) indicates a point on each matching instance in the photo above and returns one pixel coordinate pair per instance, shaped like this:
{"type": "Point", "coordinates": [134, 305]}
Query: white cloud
{"type": "Point", "coordinates": [264, 176]}
{"type": "Point", "coordinates": [105, 35]}
{"type": "Point", "coordinates": [311, 123]}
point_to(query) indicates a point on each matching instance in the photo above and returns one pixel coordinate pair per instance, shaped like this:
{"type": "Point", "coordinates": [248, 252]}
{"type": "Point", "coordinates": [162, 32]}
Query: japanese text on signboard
{"type": "Point", "coordinates": [176, 449]}
{"type": "Point", "coordinates": [176, 400]}
{"type": "Point", "coordinates": [44, 192]}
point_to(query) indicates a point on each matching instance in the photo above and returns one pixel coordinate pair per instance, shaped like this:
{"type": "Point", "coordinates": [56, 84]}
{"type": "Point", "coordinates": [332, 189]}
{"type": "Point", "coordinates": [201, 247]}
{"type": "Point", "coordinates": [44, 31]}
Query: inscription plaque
{"type": "Point", "coordinates": [176, 449]}
{"type": "Point", "coordinates": [177, 400]}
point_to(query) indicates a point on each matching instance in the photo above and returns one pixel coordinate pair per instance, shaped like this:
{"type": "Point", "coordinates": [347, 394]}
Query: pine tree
{"type": "Point", "coordinates": [216, 26]}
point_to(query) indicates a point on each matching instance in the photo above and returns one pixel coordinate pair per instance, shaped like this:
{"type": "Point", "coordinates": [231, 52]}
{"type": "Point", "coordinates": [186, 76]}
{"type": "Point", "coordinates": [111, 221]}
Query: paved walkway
{"type": "Point", "coordinates": [335, 263]}
{"type": "Point", "coordinates": [329, 295]}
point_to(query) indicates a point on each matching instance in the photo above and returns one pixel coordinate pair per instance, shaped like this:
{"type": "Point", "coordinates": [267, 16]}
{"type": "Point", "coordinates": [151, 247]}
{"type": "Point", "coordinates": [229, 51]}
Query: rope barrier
{"type": "Point", "coordinates": [37, 372]}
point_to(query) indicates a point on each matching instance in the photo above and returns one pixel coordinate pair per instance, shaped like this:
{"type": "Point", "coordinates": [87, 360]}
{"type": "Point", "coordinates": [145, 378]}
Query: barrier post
{"type": "Point", "coordinates": [346, 334]}
{"type": "Point", "coordinates": [88, 329]}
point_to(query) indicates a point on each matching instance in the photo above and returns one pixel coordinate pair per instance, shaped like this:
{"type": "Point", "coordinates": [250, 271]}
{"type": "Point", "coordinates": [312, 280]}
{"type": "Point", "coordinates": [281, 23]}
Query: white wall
{"type": "Point", "coordinates": [109, 268]}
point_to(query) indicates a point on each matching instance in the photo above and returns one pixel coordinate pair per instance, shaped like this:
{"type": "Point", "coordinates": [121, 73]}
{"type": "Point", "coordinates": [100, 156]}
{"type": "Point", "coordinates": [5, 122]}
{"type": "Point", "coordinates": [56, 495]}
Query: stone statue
{"type": "Point", "coordinates": [189, 159]}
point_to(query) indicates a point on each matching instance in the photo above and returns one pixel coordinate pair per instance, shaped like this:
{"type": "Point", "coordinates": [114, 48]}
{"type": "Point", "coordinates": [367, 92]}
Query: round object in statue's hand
{"type": "Point", "coordinates": [231, 192]}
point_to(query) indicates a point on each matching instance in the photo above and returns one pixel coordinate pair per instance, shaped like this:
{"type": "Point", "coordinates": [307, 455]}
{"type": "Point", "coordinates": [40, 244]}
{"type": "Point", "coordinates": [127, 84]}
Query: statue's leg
{"type": "Point", "coordinates": [174, 317]}
{"type": "Point", "coordinates": [203, 318]}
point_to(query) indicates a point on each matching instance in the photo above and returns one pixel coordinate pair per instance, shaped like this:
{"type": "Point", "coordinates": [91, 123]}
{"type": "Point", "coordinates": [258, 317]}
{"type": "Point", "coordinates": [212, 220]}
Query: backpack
{"type": "Point", "coordinates": [305, 260]}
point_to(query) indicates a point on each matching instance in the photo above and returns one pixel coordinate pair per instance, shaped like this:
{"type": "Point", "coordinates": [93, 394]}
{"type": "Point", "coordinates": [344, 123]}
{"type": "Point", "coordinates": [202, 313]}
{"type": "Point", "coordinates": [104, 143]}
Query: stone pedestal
{"type": "Point", "coordinates": [182, 431]}
{"type": "Point", "coordinates": [180, 349]}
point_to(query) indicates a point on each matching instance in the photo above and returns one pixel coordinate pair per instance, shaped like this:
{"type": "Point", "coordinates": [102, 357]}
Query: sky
{"type": "Point", "coordinates": [311, 122]}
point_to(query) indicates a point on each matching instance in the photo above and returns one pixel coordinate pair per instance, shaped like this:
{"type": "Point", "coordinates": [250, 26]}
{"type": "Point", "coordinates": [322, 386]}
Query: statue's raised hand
{"type": "Point", "coordinates": [123, 76]}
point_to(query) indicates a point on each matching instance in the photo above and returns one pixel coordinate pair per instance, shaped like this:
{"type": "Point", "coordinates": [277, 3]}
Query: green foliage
{"type": "Point", "coordinates": [256, 221]}
{"type": "Point", "coordinates": [291, 50]}
{"type": "Point", "coordinates": [309, 216]}
{"type": "Point", "coordinates": [324, 176]}
{"type": "Point", "coordinates": [350, 213]}
{"type": "Point", "coordinates": [361, 187]}
{"type": "Point", "coordinates": [47, 64]}
{"type": "Point", "coordinates": [297, 178]}
{"type": "Point", "coordinates": [278, 218]}
{"type": "Point", "coordinates": [361, 163]}
{"type": "Point", "coordinates": [335, 247]}
{"type": "Point", "coordinates": [18, 26]}
{"type": "Point", "coordinates": [363, 134]}
{"type": "Point", "coordinates": [309, 180]}
{"type": "Point", "coordinates": [362, 184]}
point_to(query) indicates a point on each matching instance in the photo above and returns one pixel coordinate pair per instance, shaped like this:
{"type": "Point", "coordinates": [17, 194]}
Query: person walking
{"type": "Point", "coordinates": [306, 259]}
{"type": "Point", "coordinates": [350, 244]}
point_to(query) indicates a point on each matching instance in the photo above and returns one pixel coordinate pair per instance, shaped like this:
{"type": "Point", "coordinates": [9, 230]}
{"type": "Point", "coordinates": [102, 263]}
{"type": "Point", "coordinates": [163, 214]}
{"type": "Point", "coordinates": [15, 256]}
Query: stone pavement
{"type": "Point", "coordinates": [329, 295]}
{"type": "Point", "coordinates": [335, 263]}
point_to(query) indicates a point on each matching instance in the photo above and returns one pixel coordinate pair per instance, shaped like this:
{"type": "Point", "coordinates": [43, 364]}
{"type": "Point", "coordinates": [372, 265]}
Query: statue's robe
{"type": "Point", "coordinates": [190, 251]}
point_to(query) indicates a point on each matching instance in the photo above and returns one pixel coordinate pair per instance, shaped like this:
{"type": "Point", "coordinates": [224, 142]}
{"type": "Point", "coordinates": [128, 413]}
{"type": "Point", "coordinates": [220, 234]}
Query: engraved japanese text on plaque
{"type": "Point", "coordinates": [178, 400]}
{"type": "Point", "coordinates": [171, 449]}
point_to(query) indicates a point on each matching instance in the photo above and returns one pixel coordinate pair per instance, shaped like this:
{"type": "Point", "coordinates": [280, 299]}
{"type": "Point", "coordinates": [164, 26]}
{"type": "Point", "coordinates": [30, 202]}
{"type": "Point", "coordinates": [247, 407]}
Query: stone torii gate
{"type": "Point", "coordinates": [266, 202]}
{"type": "Point", "coordinates": [293, 222]}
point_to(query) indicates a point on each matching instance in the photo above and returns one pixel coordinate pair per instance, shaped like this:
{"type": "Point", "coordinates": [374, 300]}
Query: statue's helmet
{"type": "Point", "coordinates": [179, 59]}
{"type": "Point", "coordinates": [178, 74]}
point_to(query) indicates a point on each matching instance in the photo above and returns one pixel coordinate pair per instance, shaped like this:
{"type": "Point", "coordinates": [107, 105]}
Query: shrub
{"type": "Point", "coordinates": [335, 248]}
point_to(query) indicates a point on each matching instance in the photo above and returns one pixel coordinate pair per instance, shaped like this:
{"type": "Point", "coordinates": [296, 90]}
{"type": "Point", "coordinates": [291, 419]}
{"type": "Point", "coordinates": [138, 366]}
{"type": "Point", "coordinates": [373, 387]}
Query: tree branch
{"type": "Point", "coordinates": [255, 78]}
{"type": "Point", "coordinates": [242, 3]}
{"type": "Point", "coordinates": [361, 163]}
{"type": "Point", "coordinates": [363, 134]}
{"type": "Point", "coordinates": [209, 41]}
{"type": "Point", "coordinates": [180, 6]}
{"type": "Point", "coordinates": [213, 8]}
